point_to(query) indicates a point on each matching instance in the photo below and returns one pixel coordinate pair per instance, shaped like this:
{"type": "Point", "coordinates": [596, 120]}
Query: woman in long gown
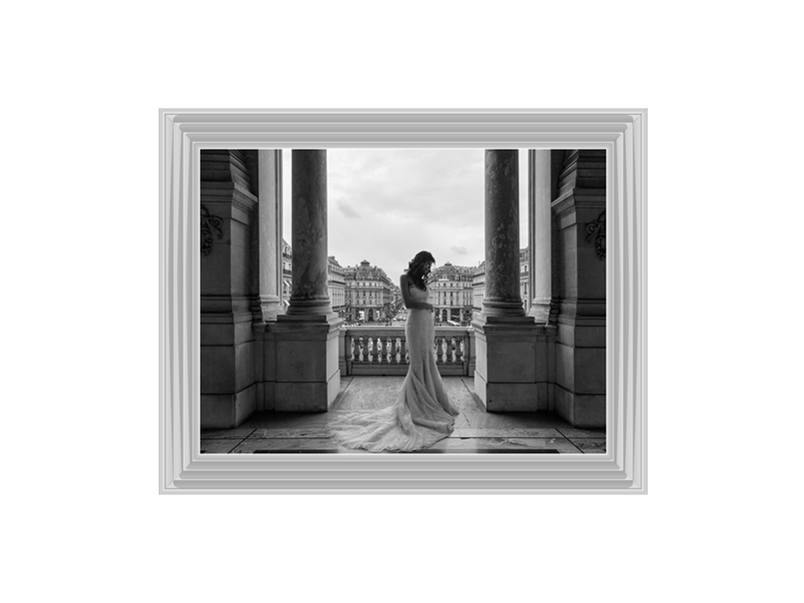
{"type": "Point", "coordinates": [422, 413]}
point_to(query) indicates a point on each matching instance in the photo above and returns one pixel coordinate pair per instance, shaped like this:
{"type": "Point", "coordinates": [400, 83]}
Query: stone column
{"type": "Point", "coordinates": [310, 295]}
{"type": "Point", "coordinates": [502, 297]}
{"type": "Point", "coordinates": [268, 242]}
{"type": "Point", "coordinates": [539, 232]}
{"type": "Point", "coordinates": [511, 350]}
{"type": "Point", "coordinates": [307, 355]}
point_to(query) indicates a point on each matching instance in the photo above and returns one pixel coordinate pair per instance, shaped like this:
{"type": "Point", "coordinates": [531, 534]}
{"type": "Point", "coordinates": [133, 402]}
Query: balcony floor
{"type": "Point", "coordinates": [475, 429]}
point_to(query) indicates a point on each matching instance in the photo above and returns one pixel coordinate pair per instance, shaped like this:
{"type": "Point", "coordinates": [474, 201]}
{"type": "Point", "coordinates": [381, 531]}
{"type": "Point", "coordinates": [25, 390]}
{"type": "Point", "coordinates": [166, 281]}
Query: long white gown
{"type": "Point", "coordinates": [422, 413]}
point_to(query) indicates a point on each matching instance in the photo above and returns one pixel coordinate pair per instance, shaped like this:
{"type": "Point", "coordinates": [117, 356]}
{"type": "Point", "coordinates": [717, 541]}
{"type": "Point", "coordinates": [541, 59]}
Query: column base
{"type": "Point", "coordinates": [270, 306]}
{"type": "Point", "coordinates": [540, 311]}
{"type": "Point", "coordinates": [512, 366]}
{"type": "Point", "coordinates": [308, 376]}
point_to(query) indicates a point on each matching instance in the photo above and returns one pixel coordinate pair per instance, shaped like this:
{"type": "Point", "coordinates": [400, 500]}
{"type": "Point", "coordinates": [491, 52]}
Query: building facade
{"type": "Point", "coordinates": [287, 274]}
{"type": "Point", "coordinates": [369, 294]}
{"type": "Point", "coordinates": [451, 294]}
{"type": "Point", "coordinates": [336, 285]}
{"type": "Point", "coordinates": [524, 278]}
{"type": "Point", "coordinates": [478, 288]}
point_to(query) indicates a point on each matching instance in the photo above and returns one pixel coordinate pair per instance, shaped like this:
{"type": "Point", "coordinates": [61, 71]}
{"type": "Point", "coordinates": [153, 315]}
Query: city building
{"type": "Point", "coordinates": [369, 294]}
{"type": "Point", "coordinates": [287, 273]}
{"type": "Point", "coordinates": [451, 294]}
{"type": "Point", "coordinates": [336, 284]}
{"type": "Point", "coordinates": [524, 277]}
{"type": "Point", "coordinates": [478, 288]}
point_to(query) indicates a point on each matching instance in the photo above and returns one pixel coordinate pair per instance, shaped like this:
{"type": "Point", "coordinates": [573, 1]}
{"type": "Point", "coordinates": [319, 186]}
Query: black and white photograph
{"type": "Point", "coordinates": [433, 301]}
{"type": "Point", "coordinates": [382, 300]}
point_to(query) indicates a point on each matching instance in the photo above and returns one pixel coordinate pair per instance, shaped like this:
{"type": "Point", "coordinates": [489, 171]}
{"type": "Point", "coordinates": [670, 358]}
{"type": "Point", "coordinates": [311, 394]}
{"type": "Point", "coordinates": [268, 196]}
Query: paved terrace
{"type": "Point", "coordinates": [475, 429]}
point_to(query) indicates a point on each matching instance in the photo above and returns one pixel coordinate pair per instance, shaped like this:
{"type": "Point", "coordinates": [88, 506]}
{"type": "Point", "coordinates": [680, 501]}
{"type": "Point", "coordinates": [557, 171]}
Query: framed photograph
{"type": "Point", "coordinates": [403, 301]}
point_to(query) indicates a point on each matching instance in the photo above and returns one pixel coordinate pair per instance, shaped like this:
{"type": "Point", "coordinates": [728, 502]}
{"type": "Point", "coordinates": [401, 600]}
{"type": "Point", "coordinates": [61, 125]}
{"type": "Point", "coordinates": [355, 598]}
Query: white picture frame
{"type": "Point", "coordinates": [621, 469]}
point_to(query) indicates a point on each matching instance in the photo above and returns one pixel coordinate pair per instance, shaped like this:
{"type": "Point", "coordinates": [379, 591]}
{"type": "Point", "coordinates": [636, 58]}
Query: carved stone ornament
{"type": "Point", "coordinates": [597, 230]}
{"type": "Point", "coordinates": [209, 223]}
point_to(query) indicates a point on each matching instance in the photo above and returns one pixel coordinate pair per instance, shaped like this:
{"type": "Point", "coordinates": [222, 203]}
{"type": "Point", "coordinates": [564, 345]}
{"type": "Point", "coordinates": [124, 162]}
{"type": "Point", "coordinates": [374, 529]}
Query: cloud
{"type": "Point", "coordinates": [346, 209]}
{"type": "Point", "coordinates": [406, 200]}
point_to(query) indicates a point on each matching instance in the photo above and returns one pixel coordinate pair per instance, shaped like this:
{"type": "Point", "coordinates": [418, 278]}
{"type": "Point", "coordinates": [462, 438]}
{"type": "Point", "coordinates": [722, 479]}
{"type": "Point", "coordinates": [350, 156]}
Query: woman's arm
{"type": "Point", "coordinates": [410, 303]}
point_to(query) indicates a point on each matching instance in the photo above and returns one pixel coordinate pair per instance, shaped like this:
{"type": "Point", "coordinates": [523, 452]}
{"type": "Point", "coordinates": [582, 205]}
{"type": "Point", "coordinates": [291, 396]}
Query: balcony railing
{"type": "Point", "coordinates": [383, 351]}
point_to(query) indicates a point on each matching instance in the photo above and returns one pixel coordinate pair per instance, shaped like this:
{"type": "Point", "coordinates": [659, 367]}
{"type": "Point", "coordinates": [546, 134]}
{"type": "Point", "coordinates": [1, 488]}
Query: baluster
{"type": "Point", "coordinates": [393, 359]}
{"type": "Point", "coordinates": [386, 349]}
{"type": "Point", "coordinates": [439, 346]}
{"type": "Point", "coordinates": [405, 351]}
{"type": "Point", "coordinates": [359, 349]}
{"type": "Point", "coordinates": [458, 350]}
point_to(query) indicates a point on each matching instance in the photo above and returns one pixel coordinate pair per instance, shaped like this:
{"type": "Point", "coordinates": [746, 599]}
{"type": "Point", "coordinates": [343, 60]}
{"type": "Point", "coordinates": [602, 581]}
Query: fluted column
{"type": "Point", "coordinates": [309, 295]}
{"type": "Point", "coordinates": [268, 239]}
{"type": "Point", "coordinates": [502, 296]}
{"type": "Point", "coordinates": [539, 232]}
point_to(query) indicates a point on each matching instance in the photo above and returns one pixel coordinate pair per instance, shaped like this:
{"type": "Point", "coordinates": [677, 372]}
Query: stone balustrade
{"type": "Point", "coordinates": [383, 351]}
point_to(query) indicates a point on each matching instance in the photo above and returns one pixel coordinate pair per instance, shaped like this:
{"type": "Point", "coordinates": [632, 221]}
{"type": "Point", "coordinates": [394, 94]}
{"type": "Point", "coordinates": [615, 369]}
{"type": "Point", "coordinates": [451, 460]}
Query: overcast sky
{"type": "Point", "coordinates": [386, 205]}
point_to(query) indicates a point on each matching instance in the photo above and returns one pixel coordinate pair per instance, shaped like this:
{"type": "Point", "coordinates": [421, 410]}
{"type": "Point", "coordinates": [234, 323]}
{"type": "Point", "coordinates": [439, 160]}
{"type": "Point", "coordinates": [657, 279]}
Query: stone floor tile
{"type": "Point", "coordinates": [288, 420]}
{"type": "Point", "coordinates": [475, 429]}
{"type": "Point", "coordinates": [481, 419]}
{"type": "Point", "coordinates": [590, 445]}
{"type": "Point", "coordinates": [461, 431]}
{"type": "Point", "coordinates": [574, 432]}
{"type": "Point", "coordinates": [287, 445]}
{"type": "Point", "coordinates": [219, 446]}
{"type": "Point", "coordinates": [488, 445]}
{"type": "Point", "coordinates": [238, 432]}
{"type": "Point", "coordinates": [369, 393]}
{"type": "Point", "coordinates": [290, 432]}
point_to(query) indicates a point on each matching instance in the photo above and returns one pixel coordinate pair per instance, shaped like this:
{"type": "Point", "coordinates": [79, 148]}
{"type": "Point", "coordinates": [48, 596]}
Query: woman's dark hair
{"type": "Point", "coordinates": [419, 268]}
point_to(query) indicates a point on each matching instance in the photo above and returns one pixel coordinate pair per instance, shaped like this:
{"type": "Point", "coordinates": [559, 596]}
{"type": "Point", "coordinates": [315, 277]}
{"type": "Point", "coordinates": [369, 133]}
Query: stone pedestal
{"type": "Point", "coordinates": [514, 364]}
{"type": "Point", "coordinates": [307, 364]}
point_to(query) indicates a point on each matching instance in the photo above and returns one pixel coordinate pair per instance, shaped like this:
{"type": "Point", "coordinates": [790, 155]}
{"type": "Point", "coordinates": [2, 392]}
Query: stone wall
{"type": "Point", "coordinates": [579, 212]}
{"type": "Point", "coordinates": [228, 208]}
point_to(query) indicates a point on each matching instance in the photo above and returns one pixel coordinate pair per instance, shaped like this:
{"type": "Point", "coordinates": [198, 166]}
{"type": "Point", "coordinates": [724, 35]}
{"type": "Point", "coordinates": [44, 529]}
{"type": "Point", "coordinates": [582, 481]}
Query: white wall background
{"type": "Point", "coordinates": [82, 86]}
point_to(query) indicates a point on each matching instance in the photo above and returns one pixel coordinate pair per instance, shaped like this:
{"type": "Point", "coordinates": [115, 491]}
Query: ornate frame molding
{"type": "Point", "coordinates": [622, 133]}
